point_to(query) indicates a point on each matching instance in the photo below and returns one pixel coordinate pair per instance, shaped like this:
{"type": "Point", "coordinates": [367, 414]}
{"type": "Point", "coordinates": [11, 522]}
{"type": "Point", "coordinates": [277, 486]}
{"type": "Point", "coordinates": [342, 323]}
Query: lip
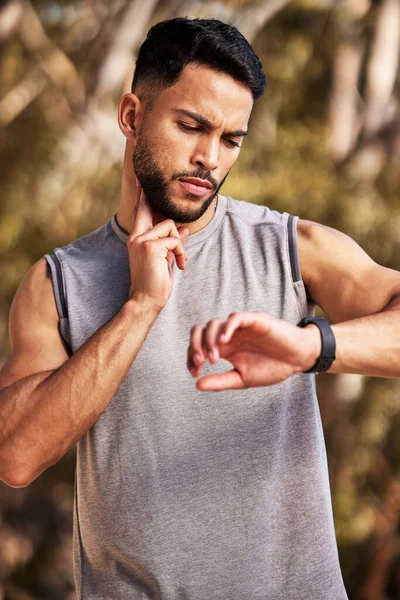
{"type": "Point", "coordinates": [196, 181]}
{"type": "Point", "coordinates": [195, 189]}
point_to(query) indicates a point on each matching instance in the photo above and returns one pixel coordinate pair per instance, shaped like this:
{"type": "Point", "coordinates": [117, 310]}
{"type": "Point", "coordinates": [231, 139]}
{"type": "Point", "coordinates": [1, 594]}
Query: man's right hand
{"type": "Point", "coordinates": [151, 253]}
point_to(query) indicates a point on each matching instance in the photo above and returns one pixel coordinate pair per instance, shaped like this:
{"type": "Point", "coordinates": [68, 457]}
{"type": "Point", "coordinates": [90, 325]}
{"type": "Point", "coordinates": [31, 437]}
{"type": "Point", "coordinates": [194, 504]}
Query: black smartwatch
{"type": "Point", "coordinates": [327, 355]}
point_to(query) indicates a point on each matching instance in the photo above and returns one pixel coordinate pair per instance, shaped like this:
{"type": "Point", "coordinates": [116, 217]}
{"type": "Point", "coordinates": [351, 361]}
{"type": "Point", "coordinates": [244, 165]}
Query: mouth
{"type": "Point", "coordinates": [197, 189]}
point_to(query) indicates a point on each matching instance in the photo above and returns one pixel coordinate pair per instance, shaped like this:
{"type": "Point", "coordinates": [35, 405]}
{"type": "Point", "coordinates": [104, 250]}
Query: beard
{"type": "Point", "coordinates": [155, 185]}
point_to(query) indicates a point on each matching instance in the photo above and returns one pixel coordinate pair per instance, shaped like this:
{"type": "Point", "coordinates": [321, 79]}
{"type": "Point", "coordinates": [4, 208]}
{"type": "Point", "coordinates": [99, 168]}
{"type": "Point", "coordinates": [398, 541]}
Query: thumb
{"type": "Point", "coordinates": [230, 380]}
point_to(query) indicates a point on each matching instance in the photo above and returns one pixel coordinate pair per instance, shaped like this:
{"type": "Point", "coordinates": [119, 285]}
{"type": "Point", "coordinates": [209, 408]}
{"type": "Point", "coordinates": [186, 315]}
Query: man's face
{"type": "Point", "coordinates": [194, 130]}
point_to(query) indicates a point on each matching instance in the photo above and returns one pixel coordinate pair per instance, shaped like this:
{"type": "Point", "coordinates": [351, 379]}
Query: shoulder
{"type": "Point", "coordinates": [35, 341]}
{"type": "Point", "coordinates": [340, 276]}
{"type": "Point", "coordinates": [93, 240]}
{"type": "Point", "coordinates": [323, 248]}
{"type": "Point", "coordinates": [36, 284]}
{"type": "Point", "coordinates": [87, 245]}
{"type": "Point", "coordinates": [255, 214]}
{"type": "Point", "coordinates": [34, 300]}
{"type": "Point", "coordinates": [324, 251]}
{"type": "Point", "coordinates": [313, 234]}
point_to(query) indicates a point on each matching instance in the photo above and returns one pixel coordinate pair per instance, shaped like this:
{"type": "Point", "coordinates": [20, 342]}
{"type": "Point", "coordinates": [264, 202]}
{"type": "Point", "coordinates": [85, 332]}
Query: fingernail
{"type": "Point", "coordinates": [197, 357]}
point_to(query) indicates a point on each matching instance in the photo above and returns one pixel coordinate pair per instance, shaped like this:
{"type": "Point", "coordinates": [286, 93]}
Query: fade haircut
{"type": "Point", "coordinates": [172, 44]}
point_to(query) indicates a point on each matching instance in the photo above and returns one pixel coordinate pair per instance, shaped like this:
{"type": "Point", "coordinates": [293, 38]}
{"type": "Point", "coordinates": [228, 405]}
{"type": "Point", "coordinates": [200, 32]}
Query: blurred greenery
{"type": "Point", "coordinates": [324, 144]}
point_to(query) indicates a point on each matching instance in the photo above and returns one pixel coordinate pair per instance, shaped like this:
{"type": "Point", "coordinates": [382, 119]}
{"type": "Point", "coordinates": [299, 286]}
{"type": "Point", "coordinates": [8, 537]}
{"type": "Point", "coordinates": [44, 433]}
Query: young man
{"type": "Point", "coordinates": [181, 494]}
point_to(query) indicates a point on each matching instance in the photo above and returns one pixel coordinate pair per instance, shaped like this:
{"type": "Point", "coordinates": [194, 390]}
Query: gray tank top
{"type": "Point", "coordinates": [188, 495]}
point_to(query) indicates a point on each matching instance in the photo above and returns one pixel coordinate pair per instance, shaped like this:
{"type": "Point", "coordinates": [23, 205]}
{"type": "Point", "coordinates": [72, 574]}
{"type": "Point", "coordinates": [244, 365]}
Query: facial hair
{"type": "Point", "coordinates": [155, 185]}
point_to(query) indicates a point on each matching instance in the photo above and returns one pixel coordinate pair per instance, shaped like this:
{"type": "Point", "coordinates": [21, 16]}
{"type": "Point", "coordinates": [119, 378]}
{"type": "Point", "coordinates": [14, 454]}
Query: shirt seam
{"type": "Point", "coordinates": [288, 265]}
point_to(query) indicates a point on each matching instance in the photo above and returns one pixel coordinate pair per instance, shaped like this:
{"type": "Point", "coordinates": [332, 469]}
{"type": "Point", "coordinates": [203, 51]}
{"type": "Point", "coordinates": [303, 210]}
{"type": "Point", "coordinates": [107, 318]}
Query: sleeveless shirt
{"type": "Point", "coordinates": [189, 495]}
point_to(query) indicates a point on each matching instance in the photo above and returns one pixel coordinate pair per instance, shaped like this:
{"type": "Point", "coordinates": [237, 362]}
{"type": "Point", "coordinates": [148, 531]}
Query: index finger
{"type": "Point", "coordinates": [143, 218]}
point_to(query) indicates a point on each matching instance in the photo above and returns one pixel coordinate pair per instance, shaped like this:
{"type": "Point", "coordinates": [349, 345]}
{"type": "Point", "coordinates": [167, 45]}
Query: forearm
{"type": "Point", "coordinates": [369, 345]}
{"type": "Point", "coordinates": [39, 425]}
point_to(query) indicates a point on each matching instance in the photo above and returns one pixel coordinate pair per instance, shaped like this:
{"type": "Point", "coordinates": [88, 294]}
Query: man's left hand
{"type": "Point", "coordinates": [262, 349]}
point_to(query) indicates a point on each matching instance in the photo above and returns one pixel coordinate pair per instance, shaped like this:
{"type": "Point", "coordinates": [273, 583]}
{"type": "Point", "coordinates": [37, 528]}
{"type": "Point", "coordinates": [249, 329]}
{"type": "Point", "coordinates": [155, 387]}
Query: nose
{"type": "Point", "coordinates": [206, 155]}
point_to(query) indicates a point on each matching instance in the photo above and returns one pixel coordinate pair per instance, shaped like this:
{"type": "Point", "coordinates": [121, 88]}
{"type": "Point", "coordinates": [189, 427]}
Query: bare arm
{"type": "Point", "coordinates": [47, 400]}
{"type": "Point", "coordinates": [360, 297]}
{"type": "Point", "coordinates": [42, 415]}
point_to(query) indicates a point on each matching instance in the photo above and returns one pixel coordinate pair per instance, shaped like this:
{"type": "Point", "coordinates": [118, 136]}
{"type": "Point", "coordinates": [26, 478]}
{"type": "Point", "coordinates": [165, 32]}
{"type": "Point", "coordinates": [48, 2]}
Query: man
{"type": "Point", "coordinates": [180, 494]}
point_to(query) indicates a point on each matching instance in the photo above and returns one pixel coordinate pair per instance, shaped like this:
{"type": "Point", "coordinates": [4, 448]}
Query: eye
{"type": "Point", "coordinates": [187, 128]}
{"type": "Point", "coordinates": [232, 143]}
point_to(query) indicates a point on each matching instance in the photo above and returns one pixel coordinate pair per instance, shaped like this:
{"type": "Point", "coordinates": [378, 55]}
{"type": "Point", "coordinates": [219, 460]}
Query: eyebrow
{"type": "Point", "coordinates": [207, 124]}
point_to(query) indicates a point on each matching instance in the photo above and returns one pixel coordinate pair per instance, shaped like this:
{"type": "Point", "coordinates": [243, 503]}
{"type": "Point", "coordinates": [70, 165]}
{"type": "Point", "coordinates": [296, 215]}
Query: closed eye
{"type": "Point", "coordinates": [188, 128]}
{"type": "Point", "coordinates": [232, 143]}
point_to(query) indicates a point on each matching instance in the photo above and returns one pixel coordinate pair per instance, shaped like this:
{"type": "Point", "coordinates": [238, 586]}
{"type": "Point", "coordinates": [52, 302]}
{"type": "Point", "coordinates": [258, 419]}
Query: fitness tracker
{"type": "Point", "coordinates": [327, 355]}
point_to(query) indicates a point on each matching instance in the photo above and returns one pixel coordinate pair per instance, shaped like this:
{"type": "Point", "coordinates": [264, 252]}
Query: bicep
{"type": "Point", "coordinates": [36, 344]}
{"type": "Point", "coordinates": [340, 277]}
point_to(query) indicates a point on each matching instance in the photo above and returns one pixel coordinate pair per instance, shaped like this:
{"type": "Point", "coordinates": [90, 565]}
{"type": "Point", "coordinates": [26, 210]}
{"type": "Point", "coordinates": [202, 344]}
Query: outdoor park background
{"type": "Point", "coordinates": [324, 144]}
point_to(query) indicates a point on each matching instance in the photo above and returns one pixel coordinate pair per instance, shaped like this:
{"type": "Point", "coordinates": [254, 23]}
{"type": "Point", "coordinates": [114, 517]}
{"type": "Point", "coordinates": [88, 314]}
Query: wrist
{"type": "Point", "coordinates": [140, 305]}
{"type": "Point", "coordinates": [313, 344]}
{"type": "Point", "coordinates": [327, 347]}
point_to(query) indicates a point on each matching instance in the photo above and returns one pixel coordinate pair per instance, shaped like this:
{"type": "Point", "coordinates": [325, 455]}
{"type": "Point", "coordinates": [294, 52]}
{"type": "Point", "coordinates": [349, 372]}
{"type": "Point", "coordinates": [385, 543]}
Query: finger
{"type": "Point", "coordinates": [231, 380]}
{"type": "Point", "coordinates": [194, 364]}
{"type": "Point", "coordinates": [196, 356]}
{"type": "Point", "coordinates": [143, 217]}
{"type": "Point", "coordinates": [183, 232]}
{"type": "Point", "coordinates": [237, 321]}
{"type": "Point", "coordinates": [166, 245]}
{"type": "Point", "coordinates": [170, 258]}
{"type": "Point", "coordinates": [210, 335]}
{"type": "Point", "coordinates": [164, 230]}
{"type": "Point", "coordinates": [232, 323]}
{"type": "Point", "coordinates": [167, 228]}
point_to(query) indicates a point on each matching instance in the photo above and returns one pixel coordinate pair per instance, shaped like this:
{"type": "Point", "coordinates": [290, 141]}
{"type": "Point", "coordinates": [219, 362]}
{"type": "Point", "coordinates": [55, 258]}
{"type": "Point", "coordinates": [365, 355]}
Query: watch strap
{"type": "Point", "coordinates": [328, 349]}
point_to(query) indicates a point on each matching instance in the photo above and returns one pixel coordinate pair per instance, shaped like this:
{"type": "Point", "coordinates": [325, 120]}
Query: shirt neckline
{"type": "Point", "coordinates": [199, 236]}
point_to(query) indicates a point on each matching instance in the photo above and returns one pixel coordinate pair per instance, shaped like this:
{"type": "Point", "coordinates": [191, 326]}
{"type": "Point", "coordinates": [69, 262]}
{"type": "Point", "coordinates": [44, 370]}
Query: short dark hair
{"type": "Point", "coordinates": [172, 44]}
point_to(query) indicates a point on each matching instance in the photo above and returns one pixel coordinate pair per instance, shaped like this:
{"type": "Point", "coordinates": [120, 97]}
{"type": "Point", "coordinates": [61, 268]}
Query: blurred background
{"type": "Point", "coordinates": [324, 144]}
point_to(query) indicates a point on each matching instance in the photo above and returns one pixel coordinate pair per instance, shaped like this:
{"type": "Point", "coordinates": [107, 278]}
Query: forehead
{"type": "Point", "coordinates": [216, 96]}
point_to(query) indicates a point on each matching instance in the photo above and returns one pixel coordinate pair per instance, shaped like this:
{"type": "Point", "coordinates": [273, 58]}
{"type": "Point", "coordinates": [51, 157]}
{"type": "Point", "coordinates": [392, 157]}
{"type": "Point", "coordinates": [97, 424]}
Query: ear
{"type": "Point", "coordinates": [129, 116]}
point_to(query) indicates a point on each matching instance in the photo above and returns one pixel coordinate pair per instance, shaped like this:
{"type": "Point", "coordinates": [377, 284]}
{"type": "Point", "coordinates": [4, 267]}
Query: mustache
{"type": "Point", "coordinates": [198, 175]}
